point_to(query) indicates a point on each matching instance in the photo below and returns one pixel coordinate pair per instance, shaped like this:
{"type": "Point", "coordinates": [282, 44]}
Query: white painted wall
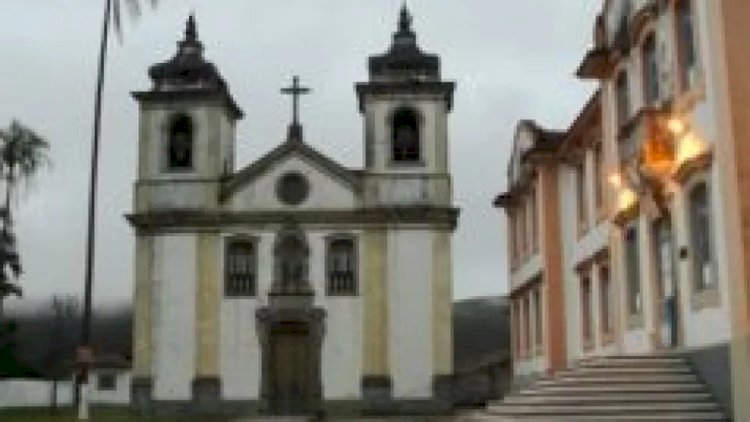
{"type": "Point", "coordinates": [17, 393]}
{"type": "Point", "coordinates": [174, 315]}
{"type": "Point", "coordinates": [120, 394]}
{"type": "Point", "coordinates": [239, 349]}
{"type": "Point", "coordinates": [33, 393]}
{"type": "Point", "coordinates": [342, 349]}
{"type": "Point", "coordinates": [326, 191]}
{"type": "Point", "coordinates": [409, 290]}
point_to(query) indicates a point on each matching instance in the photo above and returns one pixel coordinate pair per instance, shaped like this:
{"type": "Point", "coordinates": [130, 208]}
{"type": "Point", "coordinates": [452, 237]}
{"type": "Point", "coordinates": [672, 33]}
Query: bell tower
{"type": "Point", "coordinates": [187, 131]}
{"type": "Point", "coordinates": [405, 105]}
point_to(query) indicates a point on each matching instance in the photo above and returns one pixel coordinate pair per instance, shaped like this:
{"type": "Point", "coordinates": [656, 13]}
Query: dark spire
{"type": "Point", "coordinates": [404, 59]}
{"type": "Point", "coordinates": [191, 32]}
{"type": "Point", "coordinates": [191, 44]}
{"type": "Point", "coordinates": [404, 21]}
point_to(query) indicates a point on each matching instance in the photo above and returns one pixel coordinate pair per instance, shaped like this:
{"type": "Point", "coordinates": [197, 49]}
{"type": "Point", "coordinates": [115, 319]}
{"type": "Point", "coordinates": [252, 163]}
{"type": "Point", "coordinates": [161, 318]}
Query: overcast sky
{"type": "Point", "coordinates": [511, 59]}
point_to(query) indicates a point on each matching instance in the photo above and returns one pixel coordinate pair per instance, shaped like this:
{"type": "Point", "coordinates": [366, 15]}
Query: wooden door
{"type": "Point", "coordinates": [290, 380]}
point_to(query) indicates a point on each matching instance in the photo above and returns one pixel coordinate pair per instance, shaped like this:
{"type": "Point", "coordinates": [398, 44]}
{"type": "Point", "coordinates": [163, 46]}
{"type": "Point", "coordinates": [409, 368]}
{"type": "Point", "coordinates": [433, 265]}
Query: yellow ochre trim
{"type": "Point", "coordinates": [142, 328]}
{"type": "Point", "coordinates": [207, 305]}
{"type": "Point", "coordinates": [442, 309]}
{"type": "Point", "coordinates": [375, 294]}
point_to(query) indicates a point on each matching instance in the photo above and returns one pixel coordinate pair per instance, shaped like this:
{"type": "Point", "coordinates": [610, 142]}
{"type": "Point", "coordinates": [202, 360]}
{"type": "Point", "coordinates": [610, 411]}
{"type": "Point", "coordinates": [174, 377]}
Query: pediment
{"type": "Point", "coordinates": [293, 176]}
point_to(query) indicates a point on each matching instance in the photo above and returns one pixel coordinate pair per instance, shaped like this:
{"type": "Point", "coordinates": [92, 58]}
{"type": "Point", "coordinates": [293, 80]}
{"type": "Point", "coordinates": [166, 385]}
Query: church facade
{"type": "Point", "coordinates": [293, 284]}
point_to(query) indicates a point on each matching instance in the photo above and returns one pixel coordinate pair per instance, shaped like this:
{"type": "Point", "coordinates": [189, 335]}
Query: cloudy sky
{"type": "Point", "coordinates": [511, 59]}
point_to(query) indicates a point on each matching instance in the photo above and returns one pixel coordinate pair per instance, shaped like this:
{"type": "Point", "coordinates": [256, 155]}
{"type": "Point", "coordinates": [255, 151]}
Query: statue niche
{"type": "Point", "coordinates": [291, 255]}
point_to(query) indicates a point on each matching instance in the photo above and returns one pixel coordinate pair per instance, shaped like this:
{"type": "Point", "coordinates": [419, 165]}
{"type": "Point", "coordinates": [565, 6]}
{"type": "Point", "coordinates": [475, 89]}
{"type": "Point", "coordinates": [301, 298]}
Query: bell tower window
{"type": "Point", "coordinates": [180, 144]}
{"type": "Point", "coordinates": [405, 136]}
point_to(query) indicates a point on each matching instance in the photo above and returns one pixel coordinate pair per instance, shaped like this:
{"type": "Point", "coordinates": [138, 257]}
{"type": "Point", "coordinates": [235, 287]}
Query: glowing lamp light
{"type": "Point", "coordinates": [626, 199]}
{"type": "Point", "coordinates": [676, 126]}
{"type": "Point", "coordinates": [689, 148]}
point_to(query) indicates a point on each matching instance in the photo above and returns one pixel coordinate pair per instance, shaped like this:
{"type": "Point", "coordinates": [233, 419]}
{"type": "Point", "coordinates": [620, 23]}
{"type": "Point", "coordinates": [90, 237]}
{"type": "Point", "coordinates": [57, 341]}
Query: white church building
{"type": "Point", "coordinates": [293, 284]}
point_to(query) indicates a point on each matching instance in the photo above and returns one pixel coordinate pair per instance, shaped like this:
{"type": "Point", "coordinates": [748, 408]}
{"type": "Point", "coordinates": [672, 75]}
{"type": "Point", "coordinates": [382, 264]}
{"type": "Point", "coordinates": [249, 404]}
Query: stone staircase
{"type": "Point", "coordinates": [618, 388]}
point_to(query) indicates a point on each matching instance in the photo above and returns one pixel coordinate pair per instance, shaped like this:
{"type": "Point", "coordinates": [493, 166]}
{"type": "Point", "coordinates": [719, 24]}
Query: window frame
{"type": "Point", "coordinates": [699, 284]}
{"type": "Point", "coordinates": [419, 118]}
{"type": "Point", "coordinates": [623, 98]}
{"type": "Point", "coordinates": [171, 120]}
{"type": "Point", "coordinates": [228, 242]}
{"type": "Point", "coordinates": [586, 285]}
{"type": "Point", "coordinates": [684, 82]}
{"type": "Point", "coordinates": [597, 152]}
{"type": "Point", "coordinates": [651, 85]}
{"type": "Point", "coordinates": [634, 283]}
{"type": "Point", "coordinates": [606, 322]}
{"type": "Point", "coordinates": [106, 386]}
{"type": "Point", "coordinates": [330, 240]}
{"type": "Point", "coordinates": [582, 196]}
{"type": "Point", "coordinates": [538, 319]}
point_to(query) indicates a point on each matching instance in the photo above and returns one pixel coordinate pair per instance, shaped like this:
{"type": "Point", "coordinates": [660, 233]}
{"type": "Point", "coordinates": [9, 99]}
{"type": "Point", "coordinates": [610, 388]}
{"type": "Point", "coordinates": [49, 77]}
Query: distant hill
{"type": "Point", "coordinates": [481, 331]}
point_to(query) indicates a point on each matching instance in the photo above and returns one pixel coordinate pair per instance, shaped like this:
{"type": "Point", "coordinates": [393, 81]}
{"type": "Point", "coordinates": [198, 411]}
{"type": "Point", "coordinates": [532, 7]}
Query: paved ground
{"type": "Point", "coordinates": [462, 417]}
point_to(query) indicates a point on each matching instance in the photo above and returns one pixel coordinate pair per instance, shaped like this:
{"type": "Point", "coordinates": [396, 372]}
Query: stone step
{"type": "Point", "coordinates": [610, 398]}
{"type": "Point", "coordinates": [621, 379]}
{"type": "Point", "coordinates": [664, 417]}
{"type": "Point", "coordinates": [634, 362]}
{"type": "Point", "coordinates": [596, 370]}
{"type": "Point", "coordinates": [638, 367]}
{"type": "Point", "coordinates": [614, 389]}
{"type": "Point", "coordinates": [602, 409]}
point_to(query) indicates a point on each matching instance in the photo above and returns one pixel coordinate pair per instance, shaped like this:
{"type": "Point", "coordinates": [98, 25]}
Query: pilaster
{"type": "Point", "coordinates": [376, 379]}
{"type": "Point", "coordinates": [207, 301]}
{"type": "Point", "coordinates": [442, 315]}
{"type": "Point", "coordinates": [143, 307]}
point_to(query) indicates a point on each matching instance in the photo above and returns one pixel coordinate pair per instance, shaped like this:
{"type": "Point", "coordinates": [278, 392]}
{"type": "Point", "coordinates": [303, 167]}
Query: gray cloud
{"type": "Point", "coordinates": [511, 59]}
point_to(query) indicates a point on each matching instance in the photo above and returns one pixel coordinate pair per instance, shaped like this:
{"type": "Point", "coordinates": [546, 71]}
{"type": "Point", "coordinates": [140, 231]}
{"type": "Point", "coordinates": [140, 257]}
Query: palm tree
{"type": "Point", "coordinates": [22, 154]}
{"type": "Point", "coordinates": [112, 14]}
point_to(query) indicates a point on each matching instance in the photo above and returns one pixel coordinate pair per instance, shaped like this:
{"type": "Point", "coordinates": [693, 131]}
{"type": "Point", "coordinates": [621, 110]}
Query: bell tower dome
{"type": "Point", "coordinates": [187, 126]}
{"type": "Point", "coordinates": [405, 105]}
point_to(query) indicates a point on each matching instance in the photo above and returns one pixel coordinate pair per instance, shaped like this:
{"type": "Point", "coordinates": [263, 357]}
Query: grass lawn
{"type": "Point", "coordinates": [97, 415]}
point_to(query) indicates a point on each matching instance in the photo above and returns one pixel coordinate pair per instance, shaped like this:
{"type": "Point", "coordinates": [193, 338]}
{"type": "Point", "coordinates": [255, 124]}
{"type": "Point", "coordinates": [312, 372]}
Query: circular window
{"type": "Point", "coordinates": [292, 188]}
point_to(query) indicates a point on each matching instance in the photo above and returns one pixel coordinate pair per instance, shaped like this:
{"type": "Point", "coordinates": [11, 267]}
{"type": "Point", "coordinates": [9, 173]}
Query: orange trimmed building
{"type": "Point", "coordinates": [629, 231]}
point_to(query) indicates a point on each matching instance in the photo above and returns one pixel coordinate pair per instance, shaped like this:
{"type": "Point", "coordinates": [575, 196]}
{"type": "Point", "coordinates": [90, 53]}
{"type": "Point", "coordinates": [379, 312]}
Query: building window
{"type": "Point", "coordinates": [650, 66]}
{"type": "Point", "coordinates": [512, 239]}
{"type": "Point", "coordinates": [599, 175]}
{"type": "Point", "coordinates": [687, 54]}
{"type": "Point", "coordinates": [622, 95]}
{"type": "Point", "coordinates": [341, 266]}
{"type": "Point", "coordinates": [700, 237]}
{"type": "Point", "coordinates": [527, 324]}
{"type": "Point", "coordinates": [538, 325]}
{"type": "Point", "coordinates": [106, 382]}
{"type": "Point", "coordinates": [240, 268]}
{"type": "Point", "coordinates": [533, 210]}
{"type": "Point", "coordinates": [586, 310]}
{"type": "Point", "coordinates": [581, 196]}
{"type": "Point", "coordinates": [516, 334]}
{"type": "Point", "coordinates": [605, 300]}
{"type": "Point", "coordinates": [180, 146]}
{"type": "Point", "coordinates": [405, 134]}
{"type": "Point", "coordinates": [522, 230]}
{"type": "Point", "coordinates": [632, 267]}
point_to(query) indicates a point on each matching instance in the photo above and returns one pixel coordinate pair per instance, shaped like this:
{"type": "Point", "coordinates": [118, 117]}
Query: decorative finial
{"type": "Point", "coordinates": [191, 32]}
{"type": "Point", "coordinates": [404, 21]}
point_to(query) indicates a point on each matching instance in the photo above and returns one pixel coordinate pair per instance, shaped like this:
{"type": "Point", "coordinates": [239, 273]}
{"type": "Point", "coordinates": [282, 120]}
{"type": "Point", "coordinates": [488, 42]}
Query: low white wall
{"type": "Point", "coordinates": [33, 393]}
{"type": "Point", "coordinates": [38, 393]}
